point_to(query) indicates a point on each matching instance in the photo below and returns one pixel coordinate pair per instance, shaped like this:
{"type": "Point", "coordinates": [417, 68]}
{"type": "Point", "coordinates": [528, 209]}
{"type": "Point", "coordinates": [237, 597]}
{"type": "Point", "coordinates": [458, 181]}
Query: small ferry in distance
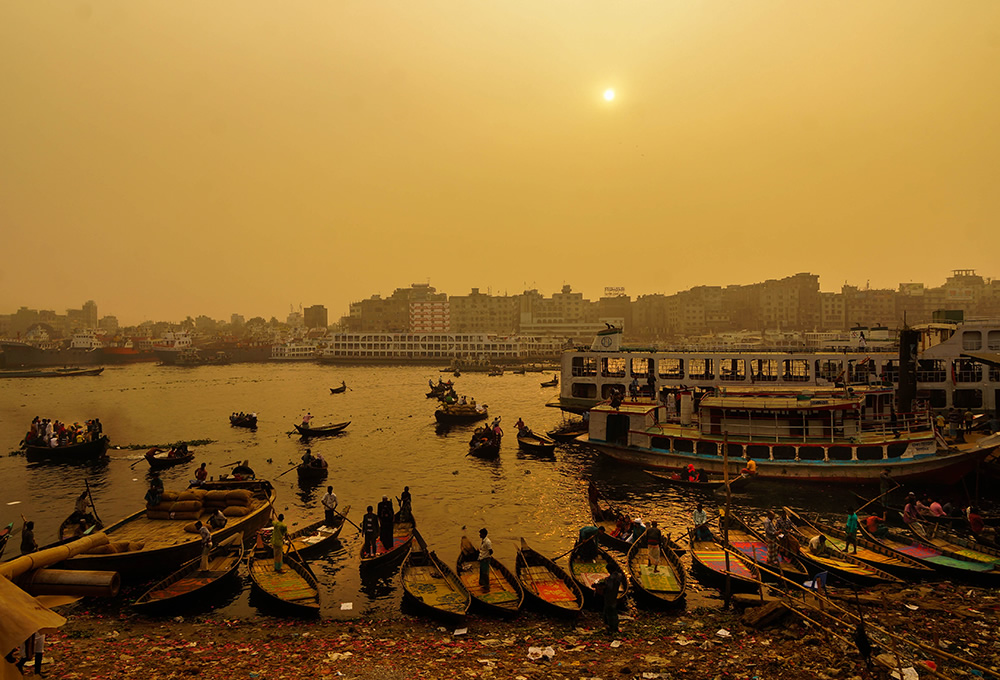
{"type": "Point", "coordinates": [958, 366]}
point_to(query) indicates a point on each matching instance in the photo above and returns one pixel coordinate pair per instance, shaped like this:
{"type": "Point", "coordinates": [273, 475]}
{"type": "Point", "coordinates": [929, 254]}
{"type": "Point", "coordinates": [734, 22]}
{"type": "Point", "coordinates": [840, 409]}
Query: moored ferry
{"type": "Point", "coordinates": [829, 435]}
{"type": "Point", "coordinates": [958, 366]}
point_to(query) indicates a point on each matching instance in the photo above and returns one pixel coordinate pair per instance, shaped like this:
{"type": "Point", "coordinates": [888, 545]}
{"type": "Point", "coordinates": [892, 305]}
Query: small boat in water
{"type": "Point", "coordinates": [294, 588]}
{"type": "Point", "coordinates": [402, 538]}
{"type": "Point", "coordinates": [705, 481]}
{"type": "Point", "coordinates": [460, 414]}
{"type": "Point", "coordinates": [952, 565]}
{"type": "Point", "coordinates": [431, 585]}
{"type": "Point", "coordinates": [248, 420]}
{"type": "Point", "coordinates": [319, 536]}
{"type": "Point", "coordinates": [485, 443]}
{"type": "Point", "coordinates": [709, 560]}
{"type": "Point", "coordinates": [312, 470]}
{"type": "Point", "coordinates": [68, 453]}
{"type": "Point", "coordinates": [160, 459]}
{"type": "Point", "coordinates": [950, 543]}
{"type": "Point", "coordinates": [749, 542]}
{"type": "Point", "coordinates": [568, 431]}
{"type": "Point", "coordinates": [551, 383]}
{"type": "Point", "coordinates": [537, 444]}
{"type": "Point", "coordinates": [339, 390]}
{"type": "Point", "coordinates": [665, 585]}
{"type": "Point", "coordinates": [57, 373]}
{"type": "Point", "coordinates": [546, 583]}
{"type": "Point", "coordinates": [190, 583]}
{"type": "Point", "coordinates": [503, 596]}
{"type": "Point", "coordinates": [5, 536]}
{"type": "Point", "coordinates": [322, 430]}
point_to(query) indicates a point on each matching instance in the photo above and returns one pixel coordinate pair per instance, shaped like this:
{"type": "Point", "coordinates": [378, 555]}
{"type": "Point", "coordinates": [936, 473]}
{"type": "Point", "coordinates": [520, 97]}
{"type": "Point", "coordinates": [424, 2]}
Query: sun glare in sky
{"type": "Point", "coordinates": [609, 94]}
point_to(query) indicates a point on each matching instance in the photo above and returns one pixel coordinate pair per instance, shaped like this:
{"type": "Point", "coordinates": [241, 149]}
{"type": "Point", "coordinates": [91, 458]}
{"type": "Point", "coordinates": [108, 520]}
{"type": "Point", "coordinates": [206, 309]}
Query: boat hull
{"type": "Point", "coordinates": [87, 451]}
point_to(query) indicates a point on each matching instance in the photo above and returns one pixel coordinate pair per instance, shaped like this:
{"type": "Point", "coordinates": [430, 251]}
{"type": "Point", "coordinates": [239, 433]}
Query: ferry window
{"type": "Point", "coordinates": [613, 367]}
{"type": "Point", "coordinates": [701, 369]}
{"type": "Point", "coordinates": [993, 340]}
{"type": "Point", "coordinates": [584, 390]}
{"type": "Point", "coordinates": [931, 370]}
{"type": "Point", "coordinates": [758, 451]}
{"type": "Point", "coordinates": [861, 371]}
{"type": "Point", "coordinates": [641, 368]}
{"type": "Point", "coordinates": [609, 388]}
{"type": "Point", "coordinates": [869, 453]}
{"type": "Point", "coordinates": [732, 370]}
{"type": "Point", "coordinates": [707, 448]}
{"type": "Point", "coordinates": [671, 368]}
{"type": "Point", "coordinates": [784, 452]}
{"type": "Point", "coordinates": [763, 370]}
{"type": "Point", "coordinates": [795, 370]}
{"type": "Point", "coordinates": [890, 371]}
{"type": "Point", "coordinates": [810, 453]}
{"type": "Point", "coordinates": [972, 340]}
{"type": "Point", "coordinates": [967, 370]}
{"type": "Point", "coordinates": [896, 449]}
{"type": "Point", "coordinates": [662, 443]}
{"type": "Point", "coordinates": [994, 374]}
{"type": "Point", "coordinates": [735, 450]}
{"type": "Point", "coordinates": [827, 369]}
{"type": "Point", "coordinates": [935, 398]}
{"type": "Point", "coordinates": [968, 398]}
{"type": "Point", "coordinates": [840, 453]}
{"type": "Point", "coordinates": [584, 367]}
{"type": "Point", "coordinates": [683, 445]}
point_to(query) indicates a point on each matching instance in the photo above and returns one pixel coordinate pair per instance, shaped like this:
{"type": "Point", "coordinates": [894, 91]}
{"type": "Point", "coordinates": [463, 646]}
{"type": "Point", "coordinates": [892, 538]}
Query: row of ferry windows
{"type": "Point", "coordinates": [773, 370]}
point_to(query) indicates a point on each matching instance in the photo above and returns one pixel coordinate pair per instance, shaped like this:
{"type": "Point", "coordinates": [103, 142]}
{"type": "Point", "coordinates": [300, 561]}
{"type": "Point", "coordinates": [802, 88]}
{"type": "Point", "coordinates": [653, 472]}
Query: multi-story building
{"type": "Point", "coordinates": [315, 317]}
{"type": "Point", "coordinates": [430, 316]}
{"type": "Point", "coordinates": [481, 313]}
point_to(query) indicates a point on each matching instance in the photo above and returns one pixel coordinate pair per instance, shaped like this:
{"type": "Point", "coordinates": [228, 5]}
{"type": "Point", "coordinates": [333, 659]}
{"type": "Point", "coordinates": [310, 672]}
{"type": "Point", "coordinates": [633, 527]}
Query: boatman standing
{"type": "Point", "coordinates": [385, 513]}
{"type": "Point", "coordinates": [369, 527]}
{"type": "Point", "coordinates": [485, 556]}
{"type": "Point", "coordinates": [330, 506]}
{"type": "Point", "coordinates": [278, 532]}
{"type": "Point", "coordinates": [206, 544]}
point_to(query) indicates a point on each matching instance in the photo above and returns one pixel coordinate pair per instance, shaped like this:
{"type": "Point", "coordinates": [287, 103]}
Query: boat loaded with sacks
{"type": "Point", "coordinates": [160, 538]}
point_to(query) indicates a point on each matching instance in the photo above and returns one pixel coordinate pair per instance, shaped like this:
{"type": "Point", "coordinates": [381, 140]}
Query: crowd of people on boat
{"type": "Point", "coordinates": [53, 433]}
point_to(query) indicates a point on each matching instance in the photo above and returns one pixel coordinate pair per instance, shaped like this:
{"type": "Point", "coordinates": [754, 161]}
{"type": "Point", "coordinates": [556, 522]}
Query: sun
{"type": "Point", "coordinates": [609, 95]}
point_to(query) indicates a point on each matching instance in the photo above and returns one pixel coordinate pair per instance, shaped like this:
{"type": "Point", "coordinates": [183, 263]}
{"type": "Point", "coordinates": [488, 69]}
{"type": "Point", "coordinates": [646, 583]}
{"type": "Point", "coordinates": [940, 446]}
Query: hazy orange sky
{"type": "Point", "coordinates": [170, 158]}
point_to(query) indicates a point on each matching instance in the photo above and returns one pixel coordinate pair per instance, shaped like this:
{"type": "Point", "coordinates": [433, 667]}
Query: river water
{"type": "Point", "coordinates": [392, 441]}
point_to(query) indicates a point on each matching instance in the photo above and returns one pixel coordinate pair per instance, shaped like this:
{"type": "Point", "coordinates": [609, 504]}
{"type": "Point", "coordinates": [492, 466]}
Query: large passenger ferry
{"type": "Point", "coordinates": [435, 347]}
{"type": "Point", "coordinates": [958, 366]}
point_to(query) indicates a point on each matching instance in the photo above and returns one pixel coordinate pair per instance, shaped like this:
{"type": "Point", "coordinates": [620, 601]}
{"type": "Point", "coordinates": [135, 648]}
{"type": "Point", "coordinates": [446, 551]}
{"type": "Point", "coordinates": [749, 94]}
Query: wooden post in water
{"type": "Point", "coordinates": [728, 593]}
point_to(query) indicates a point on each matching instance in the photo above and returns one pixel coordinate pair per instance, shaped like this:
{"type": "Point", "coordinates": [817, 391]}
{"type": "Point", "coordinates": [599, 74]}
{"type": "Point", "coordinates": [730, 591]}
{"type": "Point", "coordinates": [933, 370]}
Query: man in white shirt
{"type": "Point", "coordinates": [206, 544]}
{"type": "Point", "coordinates": [485, 555]}
{"type": "Point", "coordinates": [329, 501]}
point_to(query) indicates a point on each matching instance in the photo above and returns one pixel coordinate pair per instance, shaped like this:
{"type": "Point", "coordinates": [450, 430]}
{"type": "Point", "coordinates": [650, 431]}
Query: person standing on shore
{"type": "Point", "coordinates": [485, 557]}
{"type": "Point", "coordinates": [369, 527]}
{"type": "Point", "coordinates": [278, 531]}
{"type": "Point", "coordinates": [329, 502]}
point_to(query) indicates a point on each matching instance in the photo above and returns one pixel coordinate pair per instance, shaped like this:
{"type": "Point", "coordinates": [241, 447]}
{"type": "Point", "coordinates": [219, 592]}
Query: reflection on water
{"type": "Point", "coordinates": [393, 441]}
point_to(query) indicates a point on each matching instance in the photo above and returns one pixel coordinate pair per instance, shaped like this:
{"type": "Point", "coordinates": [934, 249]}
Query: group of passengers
{"type": "Point", "coordinates": [53, 433]}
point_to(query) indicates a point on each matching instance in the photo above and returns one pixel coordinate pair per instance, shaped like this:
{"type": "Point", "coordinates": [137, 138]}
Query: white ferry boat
{"type": "Point", "coordinates": [958, 365]}
{"type": "Point", "coordinates": [295, 350]}
{"type": "Point", "coordinates": [828, 435]}
{"type": "Point", "coordinates": [435, 347]}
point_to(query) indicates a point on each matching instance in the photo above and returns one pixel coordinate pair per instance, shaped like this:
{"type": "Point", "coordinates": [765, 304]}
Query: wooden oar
{"type": "Point", "coordinates": [132, 466]}
{"type": "Point", "coordinates": [347, 520]}
{"type": "Point", "coordinates": [235, 462]}
{"type": "Point", "coordinates": [287, 471]}
{"type": "Point", "coordinates": [93, 508]}
{"type": "Point", "coordinates": [876, 498]}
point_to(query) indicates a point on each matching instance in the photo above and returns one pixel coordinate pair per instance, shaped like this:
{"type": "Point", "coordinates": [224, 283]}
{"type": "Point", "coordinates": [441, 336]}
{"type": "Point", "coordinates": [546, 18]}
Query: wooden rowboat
{"type": "Point", "coordinates": [247, 420]}
{"type": "Point", "coordinates": [872, 552]}
{"type": "Point", "coordinates": [952, 544]}
{"type": "Point", "coordinates": [294, 589]}
{"type": "Point", "coordinates": [546, 583]}
{"type": "Point", "coordinates": [339, 390]}
{"type": "Point", "coordinates": [568, 432]}
{"type": "Point", "coordinates": [535, 443]}
{"type": "Point", "coordinates": [840, 564]}
{"type": "Point", "coordinates": [711, 483]}
{"type": "Point", "coordinates": [458, 414]}
{"type": "Point", "coordinates": [551, 383]}
{"type": "Point", "coordinates": [322, 430]}
{"type": "Point", "coordinates": [504, 595]}
{"type": "Point", "coordinates": [588, 571]}
{"type": "Point", "coordinates": [664, 586]}
{"type": "Point", "coordinates": [160, 459]}
{"type": "Point", "coordinates": [431, 585]}
{"type": "Point", "coordinates": [930, 556]}
{"type": "Point", "coordinates": [69, 527]}
{"type": "Point", "coordinates": [5, 536]}
{"type": "Point", "coordinates": [484, 448]}
{"type": "Point", "coordinates": [318, 536]}
{"type": "Point", "coordinates": [190, 584]}
{"type": "Point", "coordinates": [746, 540]}
{"type": "Point", "coordinates": [402, 538]}
{"type": "Point", "coordinates": [709, 560]}
{"type": "Point", "coordinates": [85, 452]}
{"type": "Point", "coordinates": [310, 471]}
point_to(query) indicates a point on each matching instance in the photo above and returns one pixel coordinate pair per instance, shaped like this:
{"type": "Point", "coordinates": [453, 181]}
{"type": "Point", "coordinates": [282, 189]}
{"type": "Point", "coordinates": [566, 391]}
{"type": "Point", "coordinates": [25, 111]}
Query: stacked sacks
{"type": "Point", "coordinates": [116, 547]}
{"type": "Point", "coordinates": [237, 503]}
{"type": "Point", "coordinates": [173, 505]}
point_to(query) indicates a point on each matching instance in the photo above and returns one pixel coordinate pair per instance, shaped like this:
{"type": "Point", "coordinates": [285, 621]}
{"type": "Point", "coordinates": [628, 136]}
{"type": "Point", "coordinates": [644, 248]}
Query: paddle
{"type": "Point", "coordinates": [235, 462]}
{"type": "Point", "coordinates": [287, 471]}
{"type": "Point", "coordinates": [93, 507]}
{"type": "Point", "coordinates": [347, 520]}
{"type": "Point", "coordinates": [132, 466]}
{"type": "Point", "coordinates": [877, 498]}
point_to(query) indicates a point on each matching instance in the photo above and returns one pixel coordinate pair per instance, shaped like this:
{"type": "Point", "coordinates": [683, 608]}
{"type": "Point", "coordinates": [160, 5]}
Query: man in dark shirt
{"type": "Point", "coordinates": [369, 527]}
{"type": "Point", "coordinates": [385, 513]}
{"type": "Point", "coordinates": [28, 543]}
{"type": "Point", "coordinates": [654, 538]}
{"type": "Point", "coordinates": [612, 584]}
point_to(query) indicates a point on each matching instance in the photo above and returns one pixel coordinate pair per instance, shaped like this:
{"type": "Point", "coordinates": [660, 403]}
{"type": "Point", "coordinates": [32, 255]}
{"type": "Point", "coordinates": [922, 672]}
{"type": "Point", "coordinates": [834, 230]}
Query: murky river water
{"type": "Point", "coordinates": [392, 441]}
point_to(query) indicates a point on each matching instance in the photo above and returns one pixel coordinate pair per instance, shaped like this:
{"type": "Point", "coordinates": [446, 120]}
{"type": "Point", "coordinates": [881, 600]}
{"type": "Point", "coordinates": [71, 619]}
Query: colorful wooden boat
{"type": "Point", "coordinates": [709, 560]}
{"type": "Point", "coordinates": [84, 452]}
{"type": "Point", "coordinates": [930, 556]}
{"type": "Point", "coordinates": [70, 527]}
{"type": "Point", "coordinates": [402, 537]}
{"type": "Point", "coordinates": [431, 585]}
{"type": "Point", "coordinates": [869, 551]}
{"type": "Point", "coordinates": [161, 459]}
{"type": "Point", "coordinates": [145, 547]}
{"type": "Point", "coordinates": [322, 430]}
{"type": "Point", "coordinates": [749, 542]}
{"type": "Point", "coordinates": [664, 586]}
{"type": "Point", "coordinates": [294, 588]}
{"type": "Point", "coordinates": [319, 536]}
{"type": "Point", "coordinates": [546, 584]}
{"type": "Point", "coordinates": [536, 444]}
{"type": "Point", "coordinates": [460, 414]}
{"type": "Point", "coordinates": [589, 570]}
{"type": "Point", "coordinates": [503, 597]}
{"type": "Point", "coordinates": [710, 483]}
{"type": "Point", "coordinates": [190, 583]}
{"type": "Point", "coordinates": [839, 564]}
{"type": "Point", "coordinates": [607, 516]}
{"type": "Point", "coordinates": [952, 544]}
